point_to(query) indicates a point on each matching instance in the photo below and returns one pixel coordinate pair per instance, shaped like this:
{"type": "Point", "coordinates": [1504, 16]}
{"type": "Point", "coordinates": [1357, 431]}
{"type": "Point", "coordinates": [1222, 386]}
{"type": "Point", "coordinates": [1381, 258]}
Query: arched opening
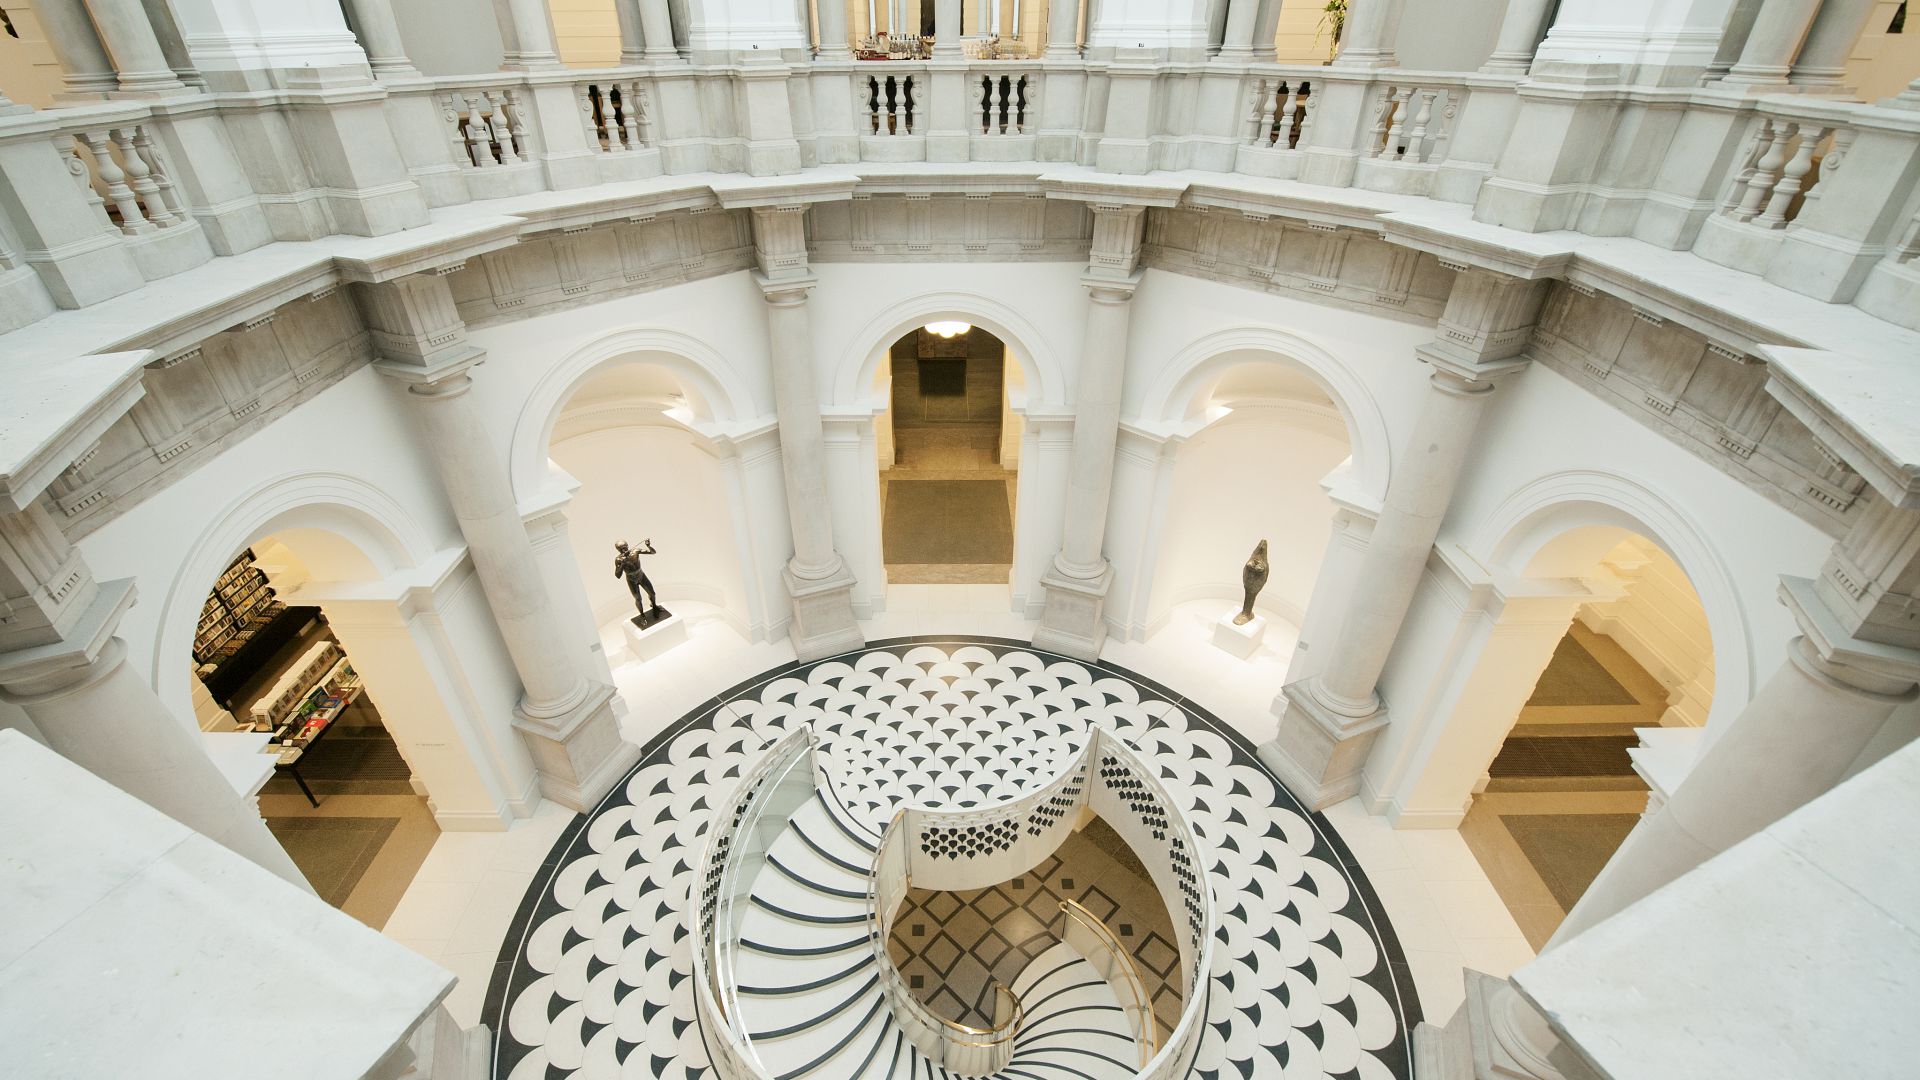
{"type": "Point", "coordinates": [637, 444]}
{"type": "Point", "coordinates": [356, 699]}
{"type": "Point", "coordinates": [947, 448]}
{"type": "Point", "coordinates": [1587, 687]}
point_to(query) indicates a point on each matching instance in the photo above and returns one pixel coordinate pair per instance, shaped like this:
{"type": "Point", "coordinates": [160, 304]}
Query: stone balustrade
{"type": "Point", "coordinates": [96, 206]}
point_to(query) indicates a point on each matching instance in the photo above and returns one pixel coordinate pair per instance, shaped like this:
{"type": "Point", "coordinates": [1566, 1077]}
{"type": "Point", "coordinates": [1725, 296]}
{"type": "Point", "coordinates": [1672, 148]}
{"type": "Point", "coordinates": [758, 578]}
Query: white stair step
{"type": "Point", "coordinates": [790, 974]}
{"type": "Point", "coordinates": [1074, 1022]}
{"type": "Point", "coordinates": [836, 833]}
{"type": "Point", "coordinates": [800, 1034]}
{"type": "Point", "coordinates": [802, 848]}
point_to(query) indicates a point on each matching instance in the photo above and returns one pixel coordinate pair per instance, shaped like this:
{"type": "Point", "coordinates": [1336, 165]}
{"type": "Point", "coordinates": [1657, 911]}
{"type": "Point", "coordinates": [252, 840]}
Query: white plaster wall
{"type": "Point", "coordinates": [1551, 458]}
{"type": "Point", "coordinates": [1254, 475]}
{"type": "Point", "coordinates": [450, 37]}
{"type": "Point", "coordinates": [1660, 623]}
{"type": "Point", "coordinates": [355, 434]}
{"type": "Point", "coordinates": [1446, 35]}
{"type": "Point", "coordinates": [639, 482]}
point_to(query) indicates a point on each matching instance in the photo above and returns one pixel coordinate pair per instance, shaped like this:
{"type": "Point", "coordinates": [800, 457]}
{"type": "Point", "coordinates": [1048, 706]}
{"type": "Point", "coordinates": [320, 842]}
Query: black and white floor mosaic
{"type": "Point", "coordinates": [594, 978]}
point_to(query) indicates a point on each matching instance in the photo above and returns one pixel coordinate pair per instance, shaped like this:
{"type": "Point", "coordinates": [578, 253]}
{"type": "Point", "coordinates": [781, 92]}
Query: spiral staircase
{"type": "Point", "coordinates": [796, 909]}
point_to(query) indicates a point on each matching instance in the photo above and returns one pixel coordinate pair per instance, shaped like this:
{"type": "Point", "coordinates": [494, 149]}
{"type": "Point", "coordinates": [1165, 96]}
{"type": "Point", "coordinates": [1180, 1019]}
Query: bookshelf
{"type": "Point", "coordinates": [240, 603]}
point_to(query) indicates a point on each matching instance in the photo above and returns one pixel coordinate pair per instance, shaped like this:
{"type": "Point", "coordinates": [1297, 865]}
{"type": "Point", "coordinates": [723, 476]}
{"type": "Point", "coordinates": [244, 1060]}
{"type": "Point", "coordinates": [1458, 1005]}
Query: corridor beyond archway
{"type": "Point", "coordinates": [947, 479]}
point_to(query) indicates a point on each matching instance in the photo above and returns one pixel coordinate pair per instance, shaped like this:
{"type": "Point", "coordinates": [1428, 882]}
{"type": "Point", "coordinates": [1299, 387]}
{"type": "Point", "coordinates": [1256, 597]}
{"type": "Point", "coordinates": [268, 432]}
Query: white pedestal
{"type": "Point", "coordinates": [644, 645]}
{"type": "Point", "coordinates": [1239, 640]}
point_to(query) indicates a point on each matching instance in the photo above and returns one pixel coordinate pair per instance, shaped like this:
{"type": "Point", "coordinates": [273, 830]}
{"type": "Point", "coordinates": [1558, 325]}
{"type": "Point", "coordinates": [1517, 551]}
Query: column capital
{"type": "Point", "coordinates": [780, 241]}
{"type": "Point", "coordinates": [1118, 229]}
{"type": "Point", "coordinates": [1487, 324]}
{"type": "Point", "coordinates": [414, 320]}
{"type": "Point", "coordinates": [73, 660]}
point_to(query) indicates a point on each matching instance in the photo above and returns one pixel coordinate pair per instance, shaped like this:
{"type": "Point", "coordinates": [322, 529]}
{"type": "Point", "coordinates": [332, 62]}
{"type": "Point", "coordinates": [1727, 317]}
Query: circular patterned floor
{"type": "Point", "coordinates": [593, 976]}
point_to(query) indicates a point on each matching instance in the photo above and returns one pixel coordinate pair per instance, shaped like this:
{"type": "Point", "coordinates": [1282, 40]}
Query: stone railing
{"type": "Point", "coordinates": [103, 197]}
{"type": "Point", "coordinates": [732, 855]}
{"type": "Point", "coordinates": [890, 101]}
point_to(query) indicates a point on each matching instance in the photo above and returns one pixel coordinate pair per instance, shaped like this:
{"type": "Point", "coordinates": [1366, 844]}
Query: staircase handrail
{"type": "Point", "coordinates": [1147, 1035]}
{"type": "Point", "coordinates": [715, 876]}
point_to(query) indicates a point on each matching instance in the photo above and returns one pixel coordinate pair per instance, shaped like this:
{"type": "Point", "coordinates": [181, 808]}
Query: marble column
{"type": "Point", "coordinates": [1236, 43]}
{"type": "Point", "coordinates": [1073, 620]}
{"type": "Point", "coordinates": [130, 40]}
{"type": "Point", "coordinates": [1519, 34]}
{"type": "Point", "coordinates": [834, 43]}
{"type": "Point", "coordinates": [1822, 63]}
{"type": "Point", "coordinates": [1816, 722]}
{"type": "Point", "coordinates": [87, 73]}
{"type": "Point", "coordinates": [817, 578]}
{"type": "Point", "coordinates": [656, 22]}
{"type": "Point", "coordinates": [379, 35]}
{"type": "Point", "coordinates": [62, 664]}
{"type": "Point", "coordinates": [531, 43]}
{"type": "Point", "coordinates": [1367, 39]}
{"type": "Point", "coordinates": [565, 719]}
{"type": "Point", "coordinates": [946, 29]}
{"type": "Point", "coordinates": [1328, 721]}
{"type": "Point", "coordinates": [1773, 42]}
{"type": "Point", "coordinates": [632, 31]}
{"type": "Point", "coordinates": [1063, 29]}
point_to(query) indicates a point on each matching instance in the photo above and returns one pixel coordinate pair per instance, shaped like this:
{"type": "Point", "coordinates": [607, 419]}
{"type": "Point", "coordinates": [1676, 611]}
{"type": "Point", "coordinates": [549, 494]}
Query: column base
{"type": "Point", "coordinates": [580, 754]}
{"type": "Point", "coordinates": [1496, 1034]}
{"type": "Point", "coordinates": [1074, 620]}
{"type": "Point", "coordinates": [1318, 753]}
{"type": "Point", "coordinates": [823, 623]}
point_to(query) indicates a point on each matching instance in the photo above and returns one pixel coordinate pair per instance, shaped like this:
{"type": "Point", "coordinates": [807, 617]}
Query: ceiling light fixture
{"type": "Point", "coordinates": [948, 328]}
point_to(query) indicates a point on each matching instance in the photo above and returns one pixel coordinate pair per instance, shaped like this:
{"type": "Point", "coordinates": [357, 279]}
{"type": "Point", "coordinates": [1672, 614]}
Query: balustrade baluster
{"type": "Point", "coordinates": [590, 109]}
{"type": "Point", "coordinates": [1253, 112]}
{"type": "Point", "coordinates": [1417, 142]}
{"type": "Point", "coordinates": [1402, 97]}
{"type": "Point", "coordinates": [1829, 164]}
{"type": "Point", "coordinates": [140, 179]}
{"type": "Point", "coordinates": [1766, 171]}
{"type": "Point", "coordinates": [1283, 133]}
{"type": "Point", "coordinates": [478, 135]}
{"type": "Point", "coordinates": [629, 121]}
{"type": "Point", "coordinates": [906, 94]}
{"type": "Point", "coordinates": [1269, 101]}
{"type": "Point", "coordinates": [986, 105]}
{"type": "Point", "coordinates": [1791, 179]}
{"type": "Point", "coordinates": [516, 123]}
{"type": "Point", "coordinates": [1307, 113]}
{"type": "Point", "coordinates": [871, 106]}
{"type": "Point", "coordinates": [1005, 117]}
{"type": "Point", "coordinates": [1377, 138]}
{"type": "Point", "coordinates": [499, 127]}
{"type": "Point", "coordinates": [642, 123]}
{"type": "Point", "coordinates": [132, 221]}
{"type": "Point", "coordinates": [144, 145]}
{"type": "Point", "coordinates": [68, 148]}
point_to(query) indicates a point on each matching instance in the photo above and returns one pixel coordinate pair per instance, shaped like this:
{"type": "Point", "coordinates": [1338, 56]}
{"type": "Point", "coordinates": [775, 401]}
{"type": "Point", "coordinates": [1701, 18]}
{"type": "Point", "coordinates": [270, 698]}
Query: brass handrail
{"type": "Point", "coordinates": [1001, 1033]}
{"type": "Point", "coordinates": [1149, 1035]}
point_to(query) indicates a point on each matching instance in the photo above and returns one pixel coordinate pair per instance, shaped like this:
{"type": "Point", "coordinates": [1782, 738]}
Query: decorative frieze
{"type": "Point", "coordinates": [1348, 267]}
{"type": "Point", "coordinates": [1709, 397]}
{"type": "Point", "coordinates": [569, 267]}
{"type": "Point", "coordinates": [949, 227]}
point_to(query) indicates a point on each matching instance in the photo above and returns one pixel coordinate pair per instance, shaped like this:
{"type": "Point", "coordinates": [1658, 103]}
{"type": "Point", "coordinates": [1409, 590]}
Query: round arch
{"type": "Point", "coordinates": [688, 358]}
{"type": "Point", "coordinates": [859, 362]}
{"type": "Point", "coordinates": [1168, 398]}
{"type": "Point", "coordinates": [1530, 519]}
{"type": "Point", "coordinates": [366, 518]}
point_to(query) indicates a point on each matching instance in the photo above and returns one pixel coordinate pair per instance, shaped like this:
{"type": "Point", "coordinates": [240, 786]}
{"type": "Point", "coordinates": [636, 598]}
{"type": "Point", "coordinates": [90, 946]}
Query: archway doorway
{"type": "Point", "coordinates": [948, 454]}
{"type": "Point", "coordinates": [1622, 682]}
{"type": "Point", "coordinates": [330, 777]}
{"type": "Point", "coordinates": [636, 443]}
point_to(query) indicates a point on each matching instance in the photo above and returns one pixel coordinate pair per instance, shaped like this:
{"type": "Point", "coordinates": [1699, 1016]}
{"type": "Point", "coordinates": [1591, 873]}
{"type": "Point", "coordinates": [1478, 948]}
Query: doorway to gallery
{"type": "Point", "coordinates": [948, 475]}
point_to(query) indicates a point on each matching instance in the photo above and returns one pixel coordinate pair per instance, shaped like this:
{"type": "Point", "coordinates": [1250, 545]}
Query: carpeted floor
{"type": "Point", "coordinates": [334, 852]}
{"type": "Point", "coordinates": [1575, 677]}
{"type": "Point", "coordinates": [1568, 850]}
{"type": "Point", "coordinates": [947, 521]}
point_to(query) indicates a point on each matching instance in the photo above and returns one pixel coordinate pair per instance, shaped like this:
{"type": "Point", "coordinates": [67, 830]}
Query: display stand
{"type": "Point", "coordinates": [1240, 640]}
{"type": "Point", "coordinates": [644, 645]}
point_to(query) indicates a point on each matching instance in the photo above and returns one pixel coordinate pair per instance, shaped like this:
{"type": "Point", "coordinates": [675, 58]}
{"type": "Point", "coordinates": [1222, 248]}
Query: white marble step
{"type": "Point", "coordinates": [814, 1032]}
{"type": "Point", "coordinates": [803, 848]}
{"type": "Point", "coordinates": [835, 833]}
{"type": "Point", "coordinates": [1074, 1023]}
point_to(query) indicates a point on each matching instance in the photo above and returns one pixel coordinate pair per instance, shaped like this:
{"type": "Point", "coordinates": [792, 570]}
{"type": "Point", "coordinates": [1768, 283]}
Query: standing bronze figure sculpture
{"type": "Point", "coordinates": [626, 564]}
{"type": "Point", "coordinates": [1253, 577]}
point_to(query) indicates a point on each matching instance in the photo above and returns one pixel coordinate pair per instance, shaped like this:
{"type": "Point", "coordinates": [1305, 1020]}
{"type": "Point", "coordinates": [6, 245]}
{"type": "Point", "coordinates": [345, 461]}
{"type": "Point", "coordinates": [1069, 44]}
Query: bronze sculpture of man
{"type": "Point", "coordinates": [626, 564]}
